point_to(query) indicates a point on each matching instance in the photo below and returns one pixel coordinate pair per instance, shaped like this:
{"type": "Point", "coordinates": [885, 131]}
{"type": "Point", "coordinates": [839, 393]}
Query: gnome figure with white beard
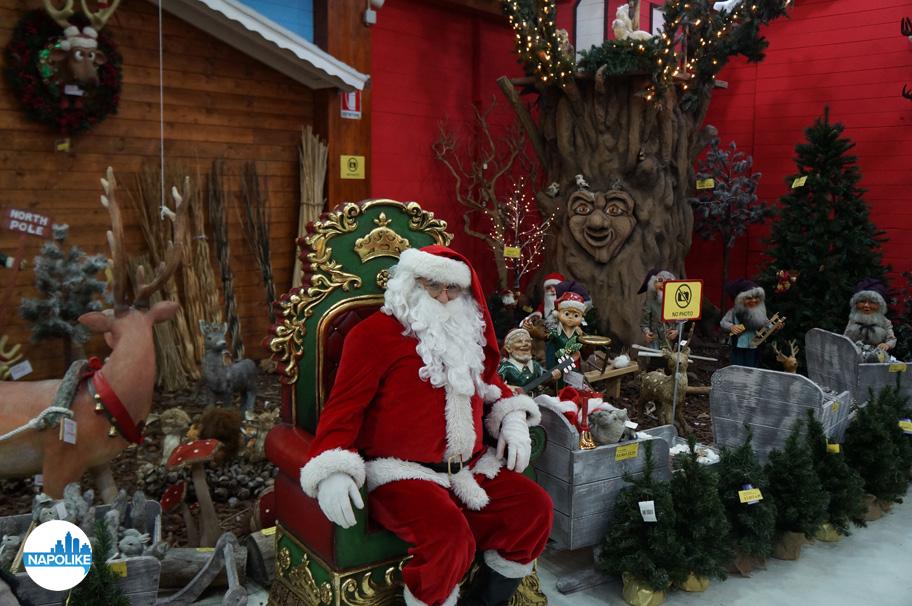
{"type": "Point", "coordinates": [415, 404]}
{"type": "Point", "coordinates": [549, 296]}
{"type": "Point", "coordinates": [868, 324]}
{"type": "Point", "coordinates": [656, 333]}
{"type": "Point", "coordinates": [519, 369]}
{"type": "Point", "coordinates": [744, 320]}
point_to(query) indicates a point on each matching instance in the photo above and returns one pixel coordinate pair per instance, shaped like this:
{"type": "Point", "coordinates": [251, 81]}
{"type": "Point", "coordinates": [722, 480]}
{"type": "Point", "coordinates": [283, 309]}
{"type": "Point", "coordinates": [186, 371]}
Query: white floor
{"type": "Point", "coordinates": [873, 567]}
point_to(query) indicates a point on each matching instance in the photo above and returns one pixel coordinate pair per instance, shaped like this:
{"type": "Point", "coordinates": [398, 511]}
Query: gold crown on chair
{"type": "Point", "coordinates": [380, 242]}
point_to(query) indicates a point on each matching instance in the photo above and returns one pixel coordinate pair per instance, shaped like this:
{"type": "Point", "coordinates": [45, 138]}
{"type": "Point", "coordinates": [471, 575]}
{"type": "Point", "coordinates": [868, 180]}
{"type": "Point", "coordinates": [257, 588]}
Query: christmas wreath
{"type": "Point", "coordinates": [31, 76]}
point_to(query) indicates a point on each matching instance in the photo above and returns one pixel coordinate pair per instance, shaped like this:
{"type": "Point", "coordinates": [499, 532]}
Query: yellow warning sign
{"type": "Point", "coordinates": [682, 300]}
{"type": "Point", "coordinates": [352, 167]}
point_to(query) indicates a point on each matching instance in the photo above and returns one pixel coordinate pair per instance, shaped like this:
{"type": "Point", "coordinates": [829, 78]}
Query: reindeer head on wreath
{"type": "Point", "coordinates": [74, 58]}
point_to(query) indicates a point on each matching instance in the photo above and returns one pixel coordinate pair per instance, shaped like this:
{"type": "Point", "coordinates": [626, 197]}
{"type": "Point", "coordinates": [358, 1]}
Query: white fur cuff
{"type": "Point", "coordinates": [411, 600]}
{"type": "Point", "coordinates": [434, 267]}
{"type": "Point", "coordinates": [511, 570]}
{"type": "Point", "coordinates": [327, 463]}
{"type": "Point", "coordinates": [490, 393]}
{"type": "Point", "coordinates": [505, 406]}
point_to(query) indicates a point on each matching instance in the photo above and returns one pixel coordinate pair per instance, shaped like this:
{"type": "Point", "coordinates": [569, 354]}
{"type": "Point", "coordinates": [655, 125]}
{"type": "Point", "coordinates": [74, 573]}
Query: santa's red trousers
{"type": "Point", "coordinates": [445, 535]}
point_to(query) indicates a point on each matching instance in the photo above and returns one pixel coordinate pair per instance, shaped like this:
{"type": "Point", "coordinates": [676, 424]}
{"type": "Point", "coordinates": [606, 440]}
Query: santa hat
{"type": "Point", "coordinates": [742, 289]}
{"type": "Point", "coordinates": [652, 276]}
{"type": "Point", "coordinates": [516, 333]}
{"type": "Point", "coordinates": [572, 286]}
{"type": "Point", "coordinates": [446, 266]}
{"type": "Point", "coordinates": [571, 300]}
{"type": "Point", "coordinates": [552, 279]}
{"type": "Point", "coordinates": [870, 289]}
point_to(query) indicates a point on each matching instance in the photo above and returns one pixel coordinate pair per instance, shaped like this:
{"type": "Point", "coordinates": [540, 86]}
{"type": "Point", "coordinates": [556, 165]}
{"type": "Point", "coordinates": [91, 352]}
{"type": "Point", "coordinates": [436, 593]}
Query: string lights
{"type": "Point", "coordinates": [694, 45]}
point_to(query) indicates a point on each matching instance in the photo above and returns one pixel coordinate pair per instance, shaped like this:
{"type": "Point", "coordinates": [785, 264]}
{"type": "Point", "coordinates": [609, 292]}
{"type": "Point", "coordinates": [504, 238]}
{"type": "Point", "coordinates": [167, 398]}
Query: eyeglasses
{"type": "Point", "coordinates": [435, 289]}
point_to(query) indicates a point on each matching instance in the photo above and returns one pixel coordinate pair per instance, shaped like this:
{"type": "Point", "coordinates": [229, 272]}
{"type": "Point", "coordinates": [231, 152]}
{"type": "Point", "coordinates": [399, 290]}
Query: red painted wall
{"type": "Point", "coordinates": [431, 63]}
{"type": "Point", "coordinates": [848, 55]}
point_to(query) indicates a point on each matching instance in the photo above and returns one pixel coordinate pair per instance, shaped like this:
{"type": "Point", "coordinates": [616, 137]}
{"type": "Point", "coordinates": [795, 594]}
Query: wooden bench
{"type": "Point", "coordinates": [612, 379]}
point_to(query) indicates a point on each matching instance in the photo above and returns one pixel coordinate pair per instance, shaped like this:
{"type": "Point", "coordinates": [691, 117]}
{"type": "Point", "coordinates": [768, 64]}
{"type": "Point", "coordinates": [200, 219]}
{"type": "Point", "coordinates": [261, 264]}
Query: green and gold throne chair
{"type": "Point", "coordinates": [346, 254]}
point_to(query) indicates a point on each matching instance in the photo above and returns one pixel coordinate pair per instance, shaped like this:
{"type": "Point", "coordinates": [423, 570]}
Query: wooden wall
{"type": "Point", "coordinates": [218, 103]}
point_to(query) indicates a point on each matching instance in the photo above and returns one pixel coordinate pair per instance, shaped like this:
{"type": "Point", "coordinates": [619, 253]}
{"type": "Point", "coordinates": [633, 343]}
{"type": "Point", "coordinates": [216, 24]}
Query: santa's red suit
{"type": "Point", "coordinates": [382, 421]}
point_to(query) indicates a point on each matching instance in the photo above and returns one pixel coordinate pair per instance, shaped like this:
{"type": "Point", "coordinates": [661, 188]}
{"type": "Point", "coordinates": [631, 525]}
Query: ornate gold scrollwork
{"type": "Point", "coordinates": [383, 277]}
{"type": "Point", "coordinates": [362, 591]}
{"type": "Point", "coordinates": [287, 346]}
{"type": "Point", "coordinates": [424, 221]}
{"type": "Point", "coordinates": [380, 242]}
{"type": "Point", "coordinates": [529, 592]}
{"type": "Point", "coordinates": [300, 579]}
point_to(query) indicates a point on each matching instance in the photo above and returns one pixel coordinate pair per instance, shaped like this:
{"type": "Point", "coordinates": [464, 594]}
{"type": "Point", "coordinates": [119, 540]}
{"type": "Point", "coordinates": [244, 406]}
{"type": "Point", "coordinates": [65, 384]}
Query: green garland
{"type": "Point", "coordinates": [30, 77]}
{"type": "Point", "coordinates": [696, 43]}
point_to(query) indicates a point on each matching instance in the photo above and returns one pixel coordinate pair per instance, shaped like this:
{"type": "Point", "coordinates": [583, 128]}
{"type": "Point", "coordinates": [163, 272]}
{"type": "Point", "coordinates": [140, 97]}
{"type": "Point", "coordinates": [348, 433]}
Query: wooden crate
{"type": "Point", "coordinates": [833, 362]}
{"type": "Point", "coordinates": [584, 483]}
{"type": "Point", "coordinates": [139, 584]}
{"type": "Point", "coordinates": [768, 402]}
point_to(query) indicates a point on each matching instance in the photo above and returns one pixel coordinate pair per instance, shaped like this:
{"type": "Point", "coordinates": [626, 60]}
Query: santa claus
{"type": "Point", "coordinates": [868, 323]}
{"type": "Point", "coordinates": [415, 404]}
{"type": "Point", "coordinates": [549, 296]}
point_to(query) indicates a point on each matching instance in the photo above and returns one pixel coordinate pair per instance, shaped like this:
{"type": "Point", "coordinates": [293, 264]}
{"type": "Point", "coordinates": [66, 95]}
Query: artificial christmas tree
{"type": "Point", "coordinates": [647, 554]}
{"type": "Point", "coordinates": [841, 482]}
{"type": "Point", "coordinates": [729, 205]}
{"type": "Point", "coordinates": [69, 287]}
{"type": "Point", "coordinates": [752, 522]}
{"type": "Point", "coordinates": [824, 233]}
{"type": "Point", "coordinates": [873, 448]}
{"type": "Point", "coordinates": [801, 501]}
{"type": "Point", "coordinates": [702, 525]}
{"type": "Point", "coordinates": [100, 585]}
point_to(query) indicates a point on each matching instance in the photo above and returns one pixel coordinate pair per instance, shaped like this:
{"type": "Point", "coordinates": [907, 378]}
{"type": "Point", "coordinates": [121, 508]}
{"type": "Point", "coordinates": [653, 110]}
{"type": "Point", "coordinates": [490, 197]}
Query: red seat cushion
{"type": "Point", "coordinates": [287, 447]}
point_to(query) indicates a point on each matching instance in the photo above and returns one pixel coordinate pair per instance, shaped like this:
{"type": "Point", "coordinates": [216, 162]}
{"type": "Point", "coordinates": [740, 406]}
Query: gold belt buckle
{"type": "Point", "coordinates": [450, 464]}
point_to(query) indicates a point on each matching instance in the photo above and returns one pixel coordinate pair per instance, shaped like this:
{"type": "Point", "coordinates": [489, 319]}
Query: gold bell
{"type": "Point", "coordinates": [112, 432]}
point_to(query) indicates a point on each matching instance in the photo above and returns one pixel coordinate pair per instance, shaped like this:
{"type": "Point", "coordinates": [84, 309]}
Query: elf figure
{"type": "Point", "coordinates": [520, 368]}
{"type": "Point", "coordinates": [656, 333]}
{"type": "Point", "coordinates": [868, 323]}
{"type": "Point", "coordinates": [745, 320]}
{"type": "Point", "coordinates": [564, 340]}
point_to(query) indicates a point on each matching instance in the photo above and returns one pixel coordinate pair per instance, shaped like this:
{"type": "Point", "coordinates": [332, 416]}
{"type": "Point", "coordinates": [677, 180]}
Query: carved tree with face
{"type": "Point", "coordinates": [618, 154]}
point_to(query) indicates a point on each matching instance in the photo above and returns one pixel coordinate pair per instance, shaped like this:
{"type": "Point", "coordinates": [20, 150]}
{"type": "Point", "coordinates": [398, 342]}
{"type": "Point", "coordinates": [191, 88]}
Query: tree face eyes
{"type": "Point", "coordinates": [615, 210]}
{"type": "Point", "coordinates": [582, 208]}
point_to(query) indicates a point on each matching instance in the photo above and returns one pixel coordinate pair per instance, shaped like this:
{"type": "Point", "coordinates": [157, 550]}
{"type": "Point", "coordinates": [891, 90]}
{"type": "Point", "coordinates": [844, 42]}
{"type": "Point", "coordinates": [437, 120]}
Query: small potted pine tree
{"type": "Point", "coordinates": [841, 482]}
{"type": "Point", "coordinates": [801, 501]}
{"type": "Point", "coordinates": [874, 447]}
{"type": "Point", "coordinates": [702, 525]}
{"type": "Point", "coordinates": [751, 515]}
{"type": "Point", "coordinates": [643, 546]}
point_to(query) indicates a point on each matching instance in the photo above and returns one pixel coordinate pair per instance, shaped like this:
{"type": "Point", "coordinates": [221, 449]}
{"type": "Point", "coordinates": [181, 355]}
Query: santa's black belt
{"type": "Point", "coordinates": [454, 464]}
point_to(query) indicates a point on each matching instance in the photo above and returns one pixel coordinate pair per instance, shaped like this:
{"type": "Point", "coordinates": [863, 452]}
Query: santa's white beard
{"type": "Point", "coordinates": [548, 303]}
{"type": "Point", "coordinates": [753, 318]}
{"type": "Point", "coordinates": [450, 336]}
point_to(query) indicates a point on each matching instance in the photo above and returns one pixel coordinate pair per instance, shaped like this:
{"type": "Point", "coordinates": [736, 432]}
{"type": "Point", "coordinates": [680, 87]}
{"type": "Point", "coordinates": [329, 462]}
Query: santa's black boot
{"type": "Point", "coordinates": [490, 588]}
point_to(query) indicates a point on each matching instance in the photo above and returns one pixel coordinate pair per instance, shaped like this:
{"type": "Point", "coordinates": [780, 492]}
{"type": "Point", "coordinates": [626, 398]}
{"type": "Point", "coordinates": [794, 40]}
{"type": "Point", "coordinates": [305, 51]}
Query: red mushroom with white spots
{"type": "Point", "coordinates": [173, 498]}
{"type": "Point", "coordinates": [196, 455]}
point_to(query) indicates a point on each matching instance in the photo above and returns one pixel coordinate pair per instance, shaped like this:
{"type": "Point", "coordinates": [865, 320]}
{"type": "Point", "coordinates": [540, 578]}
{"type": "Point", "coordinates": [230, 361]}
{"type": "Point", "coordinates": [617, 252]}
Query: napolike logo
{"type": "Point", "coordinates": [57, 555]}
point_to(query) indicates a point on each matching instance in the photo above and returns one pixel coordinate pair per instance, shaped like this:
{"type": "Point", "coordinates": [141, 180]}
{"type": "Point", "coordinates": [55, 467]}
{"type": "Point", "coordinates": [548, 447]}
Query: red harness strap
{"type": "Point", "coordinates": [102, 392]}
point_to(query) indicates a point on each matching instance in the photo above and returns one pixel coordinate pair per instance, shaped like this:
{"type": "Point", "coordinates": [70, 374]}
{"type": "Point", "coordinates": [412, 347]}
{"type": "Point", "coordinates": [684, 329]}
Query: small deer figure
{"type": "Point", "coordinates": [658, 387]}
{"type": "Point", "coordinates": [789, 362]}
{"type": "Point", "coordinates": [223, 380]}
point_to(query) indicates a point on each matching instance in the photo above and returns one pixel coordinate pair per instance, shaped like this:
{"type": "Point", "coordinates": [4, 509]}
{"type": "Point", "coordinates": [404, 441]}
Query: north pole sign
{"type": "Point", "coordinates": [27, 223]}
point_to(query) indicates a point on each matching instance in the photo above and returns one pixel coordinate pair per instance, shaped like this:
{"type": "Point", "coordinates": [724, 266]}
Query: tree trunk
{"type": "Point", "coordinates": [632, 215]}
{"type": "Point", "coordinates": [726, 253]}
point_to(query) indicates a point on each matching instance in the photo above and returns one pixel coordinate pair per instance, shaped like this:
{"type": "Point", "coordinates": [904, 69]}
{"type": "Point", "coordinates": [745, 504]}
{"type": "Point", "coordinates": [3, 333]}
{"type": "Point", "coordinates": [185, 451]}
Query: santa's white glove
{"type": "Point", "coordinates": [514, 438]}
{"type": "Point", "coordinates": [336, 494]}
